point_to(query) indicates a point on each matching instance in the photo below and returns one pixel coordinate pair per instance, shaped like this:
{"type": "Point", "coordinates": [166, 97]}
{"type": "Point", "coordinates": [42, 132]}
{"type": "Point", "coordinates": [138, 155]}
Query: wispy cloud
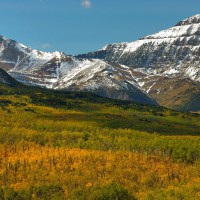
{"type": "Point", "coordinates": [86, 4]}
{"type": "Point", "coordinates": [45, 46]}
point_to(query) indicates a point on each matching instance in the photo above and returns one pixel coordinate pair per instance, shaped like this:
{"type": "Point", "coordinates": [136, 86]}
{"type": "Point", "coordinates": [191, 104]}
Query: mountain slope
{"type": "Point", "coordinates": [94, 111]}
{"type": "Point", "coordinates": [173, 54]}
{"type": "Point", "coordinates": [164, 66]}
{"type": "Point", "coordinates": [59, 71]}
{"type": "Point", "coordinates": [169, 52]}
{"type": "Point", "coordinates": [73, 140]}
{"type": "Point", "coordinates": [6, 79]}
{"type": "Point", "coordinates": [52, 142]}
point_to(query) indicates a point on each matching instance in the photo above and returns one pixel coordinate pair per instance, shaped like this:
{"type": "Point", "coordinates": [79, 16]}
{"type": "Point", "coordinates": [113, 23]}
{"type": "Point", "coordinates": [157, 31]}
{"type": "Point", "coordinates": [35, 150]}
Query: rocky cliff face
{"type": "Point", "coordinates": [175, 51]}
{"type": "Point", "coordinates": [168, 56]}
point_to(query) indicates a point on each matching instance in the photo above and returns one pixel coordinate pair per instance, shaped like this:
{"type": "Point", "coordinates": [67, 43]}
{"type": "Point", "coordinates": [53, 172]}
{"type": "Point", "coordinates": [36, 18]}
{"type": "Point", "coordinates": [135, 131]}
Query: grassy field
{"type": "Point", "coordinates": [67, 145]}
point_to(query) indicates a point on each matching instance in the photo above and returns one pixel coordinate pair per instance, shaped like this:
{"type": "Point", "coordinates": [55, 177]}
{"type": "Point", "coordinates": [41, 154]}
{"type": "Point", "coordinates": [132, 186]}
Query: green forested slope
{"type": "Point", "coordinates": [69, 145]}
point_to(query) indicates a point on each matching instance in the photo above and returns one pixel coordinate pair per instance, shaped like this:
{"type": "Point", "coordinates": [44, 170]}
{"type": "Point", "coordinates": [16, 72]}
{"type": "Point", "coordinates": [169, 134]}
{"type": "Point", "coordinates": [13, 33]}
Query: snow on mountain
{"type": "Point", "coordinates": [171, 52]}
{"type": "Point", "coordinates": [163, 57]}
{"type": "Point", "coordinates": [59, 71]}
{"type": "Point", "coordinates": [165, 65]}
{"type": "Point", "coordinates": [191, 20]}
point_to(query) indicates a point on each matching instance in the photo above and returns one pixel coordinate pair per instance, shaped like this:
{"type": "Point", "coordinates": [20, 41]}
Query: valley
{"type": "Point", "coordinates": [73, 145]}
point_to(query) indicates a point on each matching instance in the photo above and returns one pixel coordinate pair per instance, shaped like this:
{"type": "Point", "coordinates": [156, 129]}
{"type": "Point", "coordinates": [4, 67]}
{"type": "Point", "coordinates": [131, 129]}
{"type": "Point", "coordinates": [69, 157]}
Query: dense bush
{"type": "Point", "coordinates": [107, 192]}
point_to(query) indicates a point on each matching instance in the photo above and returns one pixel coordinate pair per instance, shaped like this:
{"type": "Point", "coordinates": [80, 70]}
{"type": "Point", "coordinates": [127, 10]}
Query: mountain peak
{"type": "Point", "coordinates": [191, 20]}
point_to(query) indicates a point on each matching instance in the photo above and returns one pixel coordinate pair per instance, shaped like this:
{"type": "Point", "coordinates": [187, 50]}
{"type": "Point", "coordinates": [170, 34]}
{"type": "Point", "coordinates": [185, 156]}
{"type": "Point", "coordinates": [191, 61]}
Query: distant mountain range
{"type": "Point", "coordinates": [59, 71]}
{"type": "Point", "coordinates": [166, 64]}
{"type": "Point", "coordinates": [163, 67]}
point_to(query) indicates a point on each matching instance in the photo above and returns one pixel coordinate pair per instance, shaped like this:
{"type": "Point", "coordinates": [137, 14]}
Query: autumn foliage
{"type": "Point", "coordinates": [86, 150]}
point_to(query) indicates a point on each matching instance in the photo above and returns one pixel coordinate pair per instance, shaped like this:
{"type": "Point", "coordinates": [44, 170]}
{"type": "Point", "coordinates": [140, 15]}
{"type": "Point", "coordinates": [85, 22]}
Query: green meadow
{"type": "Point", "coordinates": [155, 151]}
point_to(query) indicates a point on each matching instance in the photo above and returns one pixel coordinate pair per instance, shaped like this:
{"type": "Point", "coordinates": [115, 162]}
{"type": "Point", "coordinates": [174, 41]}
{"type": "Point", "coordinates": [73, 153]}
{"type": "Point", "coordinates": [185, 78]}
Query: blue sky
{"type": "Point", "coordinates": [78, 26]}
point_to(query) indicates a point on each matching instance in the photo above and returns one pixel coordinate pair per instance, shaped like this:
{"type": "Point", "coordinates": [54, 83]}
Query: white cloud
{"type": "Point", "coordinates": [45, 46]}
{"type": "Point", "coordinates": [86, 3]}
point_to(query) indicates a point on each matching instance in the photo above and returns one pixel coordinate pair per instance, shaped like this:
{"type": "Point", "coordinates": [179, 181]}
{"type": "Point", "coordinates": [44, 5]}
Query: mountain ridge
{"type": "Point", "coordinates": [59, 71]}
{"type": "Point", "coordinates": [170, 54]}
{"type": "Point", "coordinates": [152, 67]}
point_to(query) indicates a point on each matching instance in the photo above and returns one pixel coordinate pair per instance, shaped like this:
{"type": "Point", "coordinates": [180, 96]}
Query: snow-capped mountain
{"type": "Point", "coordinates": [173, 52]}
{"type": "Point", "coordinates": [164, 65]}
{"type": "Point", "coordinates": [167, 57]}
{"type": "Point", "coordinates": [59, 71]}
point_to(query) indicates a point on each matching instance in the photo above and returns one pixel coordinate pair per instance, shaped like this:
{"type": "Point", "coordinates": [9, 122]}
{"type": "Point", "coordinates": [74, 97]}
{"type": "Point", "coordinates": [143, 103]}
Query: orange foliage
{"type": "Point", "coordinates": [25, 164]}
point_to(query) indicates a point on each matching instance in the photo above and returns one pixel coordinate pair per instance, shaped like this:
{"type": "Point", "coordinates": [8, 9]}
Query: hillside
{"type": "Point", "coordinates": [162, 63]}
{"type": "Point", "coordinates": [75, 145]}
{"type": "Point", "coordinates": [144, 117]}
